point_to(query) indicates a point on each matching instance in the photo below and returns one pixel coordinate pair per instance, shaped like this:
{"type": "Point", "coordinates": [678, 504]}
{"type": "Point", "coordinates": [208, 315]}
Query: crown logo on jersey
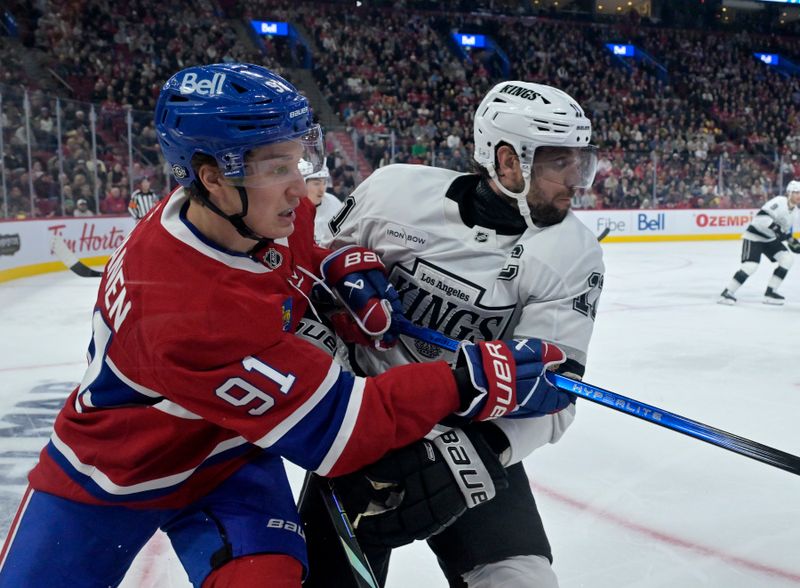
{"type": "Point", "coordinates": [272, 259]}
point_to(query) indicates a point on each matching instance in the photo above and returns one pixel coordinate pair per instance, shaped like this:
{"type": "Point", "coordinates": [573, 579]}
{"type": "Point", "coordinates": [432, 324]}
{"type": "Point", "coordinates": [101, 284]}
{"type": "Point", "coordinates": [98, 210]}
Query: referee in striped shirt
{"type": "Point", "coordinates": [142, 200]}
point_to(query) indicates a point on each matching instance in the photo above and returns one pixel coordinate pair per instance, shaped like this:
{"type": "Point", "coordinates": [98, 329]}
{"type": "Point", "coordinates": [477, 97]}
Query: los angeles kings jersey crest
{"type": "Point", "coordinates": [469, 282]}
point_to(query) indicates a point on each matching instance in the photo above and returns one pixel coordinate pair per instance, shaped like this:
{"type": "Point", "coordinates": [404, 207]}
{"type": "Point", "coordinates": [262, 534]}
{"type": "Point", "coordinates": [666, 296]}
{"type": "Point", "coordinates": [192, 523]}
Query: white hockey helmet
{"type": "Point", "coordinates": [793, 193]}
{"type": "Point", "coordinates": [527, 116]}
{"type": "Point", "coordinates": [307, 170]}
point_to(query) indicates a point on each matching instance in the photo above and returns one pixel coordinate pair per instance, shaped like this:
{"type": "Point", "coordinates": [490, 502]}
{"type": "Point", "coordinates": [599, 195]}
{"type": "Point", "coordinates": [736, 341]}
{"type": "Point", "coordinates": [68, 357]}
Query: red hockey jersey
{"type": "Point", "coordinates": [193, 370]}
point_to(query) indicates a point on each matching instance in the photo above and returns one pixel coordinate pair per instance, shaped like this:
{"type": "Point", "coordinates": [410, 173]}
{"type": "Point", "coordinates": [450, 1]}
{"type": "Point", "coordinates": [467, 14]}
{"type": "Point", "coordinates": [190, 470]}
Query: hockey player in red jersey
{"type": "Point", "coordinates": [197, 386]}
{"type": "Point", "coordinates": [479, 256]}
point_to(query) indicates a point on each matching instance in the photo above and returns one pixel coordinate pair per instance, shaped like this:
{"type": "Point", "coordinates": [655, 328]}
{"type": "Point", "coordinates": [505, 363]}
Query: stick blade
{"type": "Point", "coordinates": [69, 259]}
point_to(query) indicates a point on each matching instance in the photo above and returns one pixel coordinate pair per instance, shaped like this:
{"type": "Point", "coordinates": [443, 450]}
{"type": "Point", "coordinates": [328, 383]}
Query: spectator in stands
{"type": "Point", "coordinates": [695, 114]}
{"type": "Point", "coordinates": [114, 202]}
{"type": "Point", "coordinates": [82, 208]}
{"type": "Point", "coordinates": [44, 127]}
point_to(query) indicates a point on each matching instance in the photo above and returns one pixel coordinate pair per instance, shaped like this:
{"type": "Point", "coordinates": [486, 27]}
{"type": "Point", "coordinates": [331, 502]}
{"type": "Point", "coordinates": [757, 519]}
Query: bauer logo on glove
{"type": "Point", "coordinates": [509, 378]}
{"type": "Point", "coordinates": [358, 278]}
{"type": "Point", "coordinates": [419, 490]}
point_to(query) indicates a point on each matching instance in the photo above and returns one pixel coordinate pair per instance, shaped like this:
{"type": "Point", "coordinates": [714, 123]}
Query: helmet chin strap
{"type": "Point", "coordinates": [237, 220]}
{"type": "Point", "coordinates": [521, 197]}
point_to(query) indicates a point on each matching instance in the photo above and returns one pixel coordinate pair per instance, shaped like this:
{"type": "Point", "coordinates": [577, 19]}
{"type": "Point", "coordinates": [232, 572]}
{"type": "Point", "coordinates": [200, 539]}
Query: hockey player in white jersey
{"type": "Point", "coordinates": [480, 256]}
{"type": "Point", "coordinates": [765, 235]}
{"type": "Point", "coordinates": [316, 186]}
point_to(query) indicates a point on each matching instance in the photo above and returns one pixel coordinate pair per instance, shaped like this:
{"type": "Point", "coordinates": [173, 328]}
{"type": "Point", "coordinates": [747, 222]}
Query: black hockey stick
{"type": "Point", "coordinates": [69, 259]}
{"type": "Point", "coordinates": [752, 449]}
{"type": "Point", "coordinates": [603, 234]}
{"type": "Point", "coordinates": [326, 524]}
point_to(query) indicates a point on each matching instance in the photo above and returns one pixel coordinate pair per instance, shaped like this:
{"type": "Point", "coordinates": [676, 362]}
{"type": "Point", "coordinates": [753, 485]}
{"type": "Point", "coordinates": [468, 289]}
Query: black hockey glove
{"type": "Point", "coordinates": [793, 245]}
{"type": "Point", "coordinates": [778, 230]}
{"type": "Point", "coordinates": [419, 490]}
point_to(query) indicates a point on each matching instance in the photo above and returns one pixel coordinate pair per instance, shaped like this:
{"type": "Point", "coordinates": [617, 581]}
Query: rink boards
{"type": "Point", "coordinates": [25, 245]}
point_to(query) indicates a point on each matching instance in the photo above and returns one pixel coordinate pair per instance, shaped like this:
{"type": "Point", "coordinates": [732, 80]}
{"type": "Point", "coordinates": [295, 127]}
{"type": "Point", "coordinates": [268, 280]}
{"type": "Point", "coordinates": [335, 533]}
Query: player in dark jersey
{"type": "Point", "coordinates": [481, 256]}
{"type": "Point", "coordinates": [197, 386]}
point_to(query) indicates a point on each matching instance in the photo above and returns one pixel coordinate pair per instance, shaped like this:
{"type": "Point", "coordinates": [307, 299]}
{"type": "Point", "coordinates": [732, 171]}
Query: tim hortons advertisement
{"type": "Point", "coordinates": [26, 246]}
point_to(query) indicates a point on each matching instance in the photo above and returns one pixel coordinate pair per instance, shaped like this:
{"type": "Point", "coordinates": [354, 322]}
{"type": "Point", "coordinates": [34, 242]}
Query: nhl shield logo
{"type": "Point", "coordinates": [273, 259]}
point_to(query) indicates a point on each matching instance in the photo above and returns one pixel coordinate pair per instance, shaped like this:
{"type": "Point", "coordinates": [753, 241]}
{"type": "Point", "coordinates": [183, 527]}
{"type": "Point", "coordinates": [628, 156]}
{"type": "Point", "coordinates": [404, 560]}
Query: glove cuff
{"type": "Point", "coordinates": [467, 467]}
{"type": "Point", "coordinates": [348, 260]}
{"type": "Point", "coordinates": [492, 373]}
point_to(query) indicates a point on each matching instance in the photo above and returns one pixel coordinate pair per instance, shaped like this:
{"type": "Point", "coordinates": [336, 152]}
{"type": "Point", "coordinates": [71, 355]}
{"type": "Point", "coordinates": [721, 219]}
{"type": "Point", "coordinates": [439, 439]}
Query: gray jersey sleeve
{"type": "Point", "coordinates": [562, 302]}
{"type": "Point", "coordinates": [561, 307]}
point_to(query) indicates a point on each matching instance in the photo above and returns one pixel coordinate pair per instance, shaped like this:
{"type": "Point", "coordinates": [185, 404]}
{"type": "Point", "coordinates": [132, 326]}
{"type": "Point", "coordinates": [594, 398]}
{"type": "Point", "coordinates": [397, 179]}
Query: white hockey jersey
{"type": "Point", "coordinates": [773, 221]}
{"type": "Point", "coordinates": [470, 282]}
{"type": "Point", "coordinates": [329, 206]}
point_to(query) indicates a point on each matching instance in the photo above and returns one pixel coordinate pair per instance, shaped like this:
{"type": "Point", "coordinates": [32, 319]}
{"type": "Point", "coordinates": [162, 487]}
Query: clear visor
{"type": "Point", "coordinates": [277, 163]}
{"type": "Point", "coordinates": [573, 167]}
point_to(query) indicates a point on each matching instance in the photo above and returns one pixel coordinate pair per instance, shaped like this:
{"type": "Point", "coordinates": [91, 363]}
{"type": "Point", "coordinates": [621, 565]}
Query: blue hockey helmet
{"type": "Point", "coordinates": [226, 110]}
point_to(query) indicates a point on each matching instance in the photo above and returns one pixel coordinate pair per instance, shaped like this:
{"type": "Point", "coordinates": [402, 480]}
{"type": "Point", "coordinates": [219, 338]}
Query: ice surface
{"type": "Point", "coordinates": [625, 503]}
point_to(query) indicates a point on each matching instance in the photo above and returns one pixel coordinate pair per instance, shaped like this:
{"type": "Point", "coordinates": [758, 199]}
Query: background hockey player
{"type": "Point", "coordinates": [480, 256]}
{"type": "Point", "coordinates": [326, 203]}
{"type": "Point", "coordinates": [196, 385]}
{"type": "Point", "coordinates": [766, 234]}
{"type": "Point", "coordinates": [143, 199]}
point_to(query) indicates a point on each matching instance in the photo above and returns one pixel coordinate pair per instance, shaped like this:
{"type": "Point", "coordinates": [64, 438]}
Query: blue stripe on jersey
{"type": "Point", "coordinates": [108, 390]}
{"type": "Point", "coordinates": [206, 241]}
{"type": "Point", "coordinates": [104, 385]}
{"type": "Point", "coordinates": [93, 488]}
{"type": "Point", "coordinates": [309, 440]}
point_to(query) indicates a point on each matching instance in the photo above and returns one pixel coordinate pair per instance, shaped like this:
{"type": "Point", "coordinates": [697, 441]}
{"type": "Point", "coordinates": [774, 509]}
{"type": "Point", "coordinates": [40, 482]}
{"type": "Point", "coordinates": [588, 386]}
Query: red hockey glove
{"type": "Point", "coordinates": [358, 277]}
{"type": "Point", "coordinates": [508, 378]}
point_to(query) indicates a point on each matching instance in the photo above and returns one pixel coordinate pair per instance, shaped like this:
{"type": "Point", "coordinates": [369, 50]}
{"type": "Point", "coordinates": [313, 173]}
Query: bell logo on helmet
{"type": "Point", "coordinates": [523, 93]}
{"type": "Point", "coordinates": [212, 87]}
{"type": "Point", "coordinates": [179, 171]}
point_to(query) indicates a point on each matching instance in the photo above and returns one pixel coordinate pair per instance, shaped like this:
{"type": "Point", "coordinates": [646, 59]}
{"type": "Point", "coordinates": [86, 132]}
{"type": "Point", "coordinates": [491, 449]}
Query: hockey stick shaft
{"type": "Point", "coordinates": [348, 564]}
{"type": "Point", "coordinates": [362, 572]}
{"type": "Point", "coordinates": [748, 448]}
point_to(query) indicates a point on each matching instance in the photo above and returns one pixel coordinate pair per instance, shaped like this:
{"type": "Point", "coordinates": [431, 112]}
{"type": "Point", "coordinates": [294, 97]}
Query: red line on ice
{"type": "Point", "coordinates": [664, 537]}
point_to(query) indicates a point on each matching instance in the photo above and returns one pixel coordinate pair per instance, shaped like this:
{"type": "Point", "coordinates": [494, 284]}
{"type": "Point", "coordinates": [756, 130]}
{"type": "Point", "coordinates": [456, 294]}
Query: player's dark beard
{"type": "Point", "coordinates": [545, 214]}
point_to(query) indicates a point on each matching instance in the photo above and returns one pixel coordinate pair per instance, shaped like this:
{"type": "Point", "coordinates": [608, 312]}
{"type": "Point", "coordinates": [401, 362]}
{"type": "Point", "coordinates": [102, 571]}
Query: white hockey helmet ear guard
{"type": "Point", "coordinates": [528, 116]}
